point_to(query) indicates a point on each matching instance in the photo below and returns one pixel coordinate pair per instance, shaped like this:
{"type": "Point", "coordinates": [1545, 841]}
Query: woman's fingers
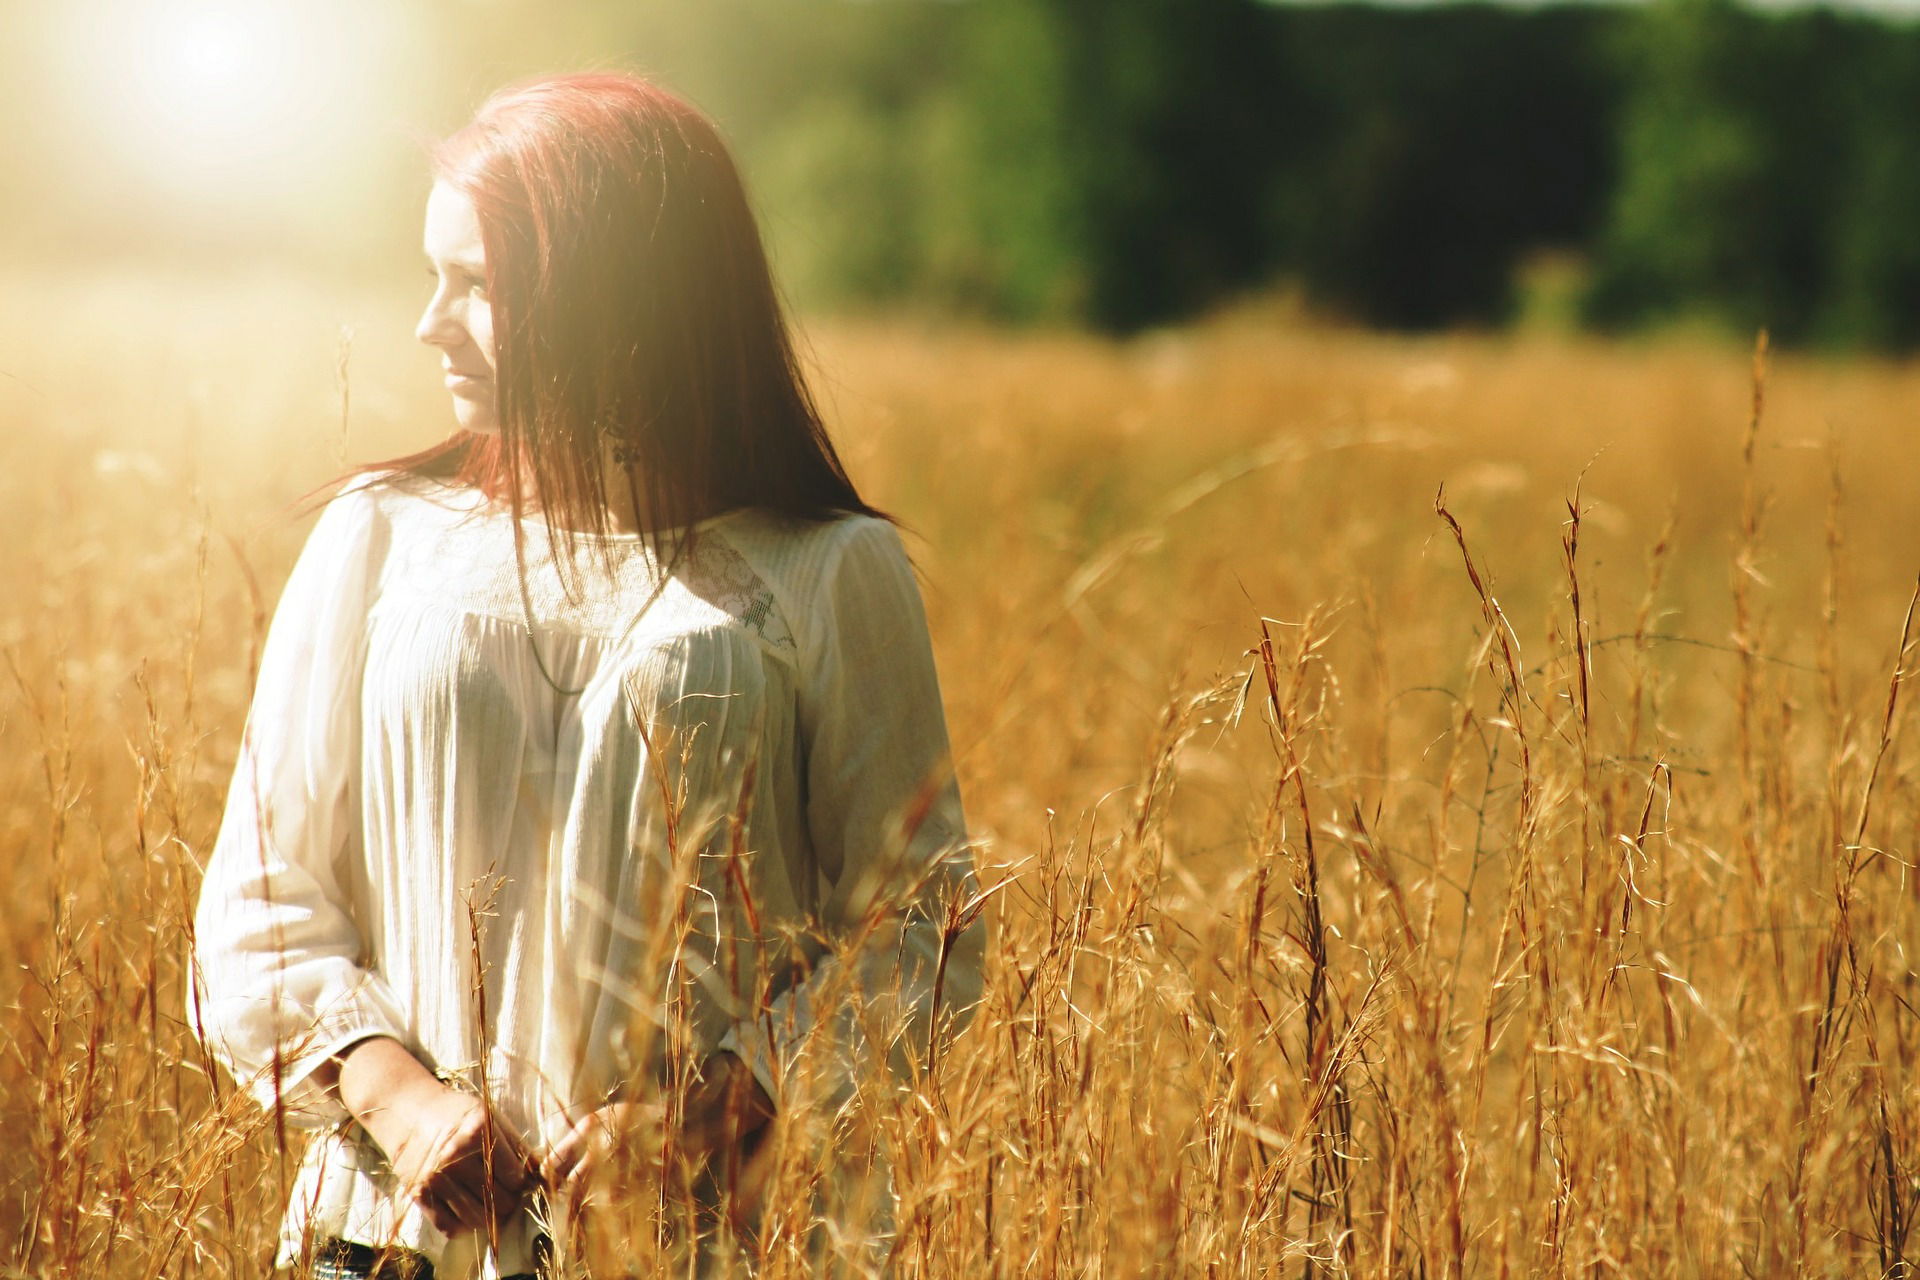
{"type": "Point", "coordinates": [570, 1152]}
{"type": "Point", "coordinates": [508, 1165]}
{"type": "Point", "coordinates": [457, 1200]}
{"type": "Point", "coordinates": [573, 1160]}
{"type": "Point", "coordinates": [448, 1202]}
{"type": "Point", "coordinates": [475, 1172]}
{"type": "Point", "coordinates": [451, 1207]}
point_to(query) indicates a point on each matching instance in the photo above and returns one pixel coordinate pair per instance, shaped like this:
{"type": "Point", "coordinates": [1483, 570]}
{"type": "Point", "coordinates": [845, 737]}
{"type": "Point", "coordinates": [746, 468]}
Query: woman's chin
{"type": "Point", "coordinates": [476, 421]}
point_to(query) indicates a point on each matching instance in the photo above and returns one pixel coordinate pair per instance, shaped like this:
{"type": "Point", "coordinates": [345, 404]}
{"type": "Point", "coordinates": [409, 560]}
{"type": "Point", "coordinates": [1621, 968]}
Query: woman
{"type": "Point", "coordinates": [596, 763]}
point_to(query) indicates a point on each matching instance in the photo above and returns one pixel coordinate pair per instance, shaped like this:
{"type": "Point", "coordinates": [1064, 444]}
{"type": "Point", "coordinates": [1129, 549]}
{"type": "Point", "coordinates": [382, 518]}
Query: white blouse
{"type": "Point", "coordinates": [747, 747]}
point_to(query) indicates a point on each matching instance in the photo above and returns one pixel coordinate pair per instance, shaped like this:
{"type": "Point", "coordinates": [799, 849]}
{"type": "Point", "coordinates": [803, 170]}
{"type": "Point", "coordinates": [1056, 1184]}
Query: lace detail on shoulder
{"type": "Point", "coordinates": [722, 577]}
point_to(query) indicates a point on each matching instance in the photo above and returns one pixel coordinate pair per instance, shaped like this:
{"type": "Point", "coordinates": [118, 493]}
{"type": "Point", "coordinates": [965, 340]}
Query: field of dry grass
{"type": "Point", "coordinates": [1520, 887]}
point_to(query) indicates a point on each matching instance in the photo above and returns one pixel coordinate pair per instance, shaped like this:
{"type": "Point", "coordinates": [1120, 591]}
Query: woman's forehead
{"type": "Point", "coordinates": [452, 230]}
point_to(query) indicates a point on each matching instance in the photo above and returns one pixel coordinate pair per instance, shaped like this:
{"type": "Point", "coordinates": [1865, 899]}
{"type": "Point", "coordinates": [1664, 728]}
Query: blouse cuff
{"type": "Point", "coordinates": [304, 1102]}
{"type": "Point", "coordinates": [749, 1043]}
{"type": "Point", "coordinates": [779, 1047]}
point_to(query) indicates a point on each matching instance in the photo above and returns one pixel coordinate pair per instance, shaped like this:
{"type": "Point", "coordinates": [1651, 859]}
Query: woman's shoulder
{"type": "Point", "coordinates": [801, 555]}
{"type": "Point", "coordinates": [818, 574]}
{"type": "Point", "coordinates": [371, 514]}
{"type": "Point", "coordinates": [393, 498]}
{"type": "Point", "coordinates": [386, 486]}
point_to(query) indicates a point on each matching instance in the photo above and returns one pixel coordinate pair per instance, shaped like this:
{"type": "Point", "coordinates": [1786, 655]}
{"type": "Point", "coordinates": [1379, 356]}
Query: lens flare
{"type": "Point", "coordinates": [224, 92]}
{"type": "Point", "coordinates": [220, 80]}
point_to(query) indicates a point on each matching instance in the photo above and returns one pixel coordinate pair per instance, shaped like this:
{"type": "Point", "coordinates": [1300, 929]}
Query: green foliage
{"type": "Point", "coordinates": [1169, 115]}
{"type": "Point", "coordinates": [1019, 201]}
{"type": "Point", "coordinates": [1873, 292]}
{"type": "Point", "coordinates": [1768, 176]}
{"type": "Point", "coordinates": [1127, 162]}
{"type": "Point", "coordinates": [1430, 152]}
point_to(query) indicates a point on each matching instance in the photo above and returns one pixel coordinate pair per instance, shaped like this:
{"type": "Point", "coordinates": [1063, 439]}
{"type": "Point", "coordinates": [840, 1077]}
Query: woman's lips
{"type": "Point", "coordinates": [465, 382]}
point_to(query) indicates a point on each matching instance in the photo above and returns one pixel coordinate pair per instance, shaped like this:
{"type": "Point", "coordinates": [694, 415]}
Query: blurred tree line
{"type": "Point", "coordinates": [1127, 162]}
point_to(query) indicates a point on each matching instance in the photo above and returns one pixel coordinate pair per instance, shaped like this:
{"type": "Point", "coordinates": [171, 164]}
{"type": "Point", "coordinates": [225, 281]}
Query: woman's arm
{"type": "Point", "coordinates": [280, 982]}
{"type": "Point", "coordinates": [885, 821]}
{"type": "Point", "coordinates": [283, 993]}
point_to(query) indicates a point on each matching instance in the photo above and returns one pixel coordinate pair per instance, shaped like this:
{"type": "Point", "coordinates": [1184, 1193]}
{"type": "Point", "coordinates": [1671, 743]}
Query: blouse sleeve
{"type": "Point", "coordinates": [280, 982]}
{"type": "Point", "coordinates": [889, 839]}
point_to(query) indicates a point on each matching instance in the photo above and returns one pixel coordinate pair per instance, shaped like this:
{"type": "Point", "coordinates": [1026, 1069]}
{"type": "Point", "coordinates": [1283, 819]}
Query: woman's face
{"type": "Point", "coordinates": [459, 318]}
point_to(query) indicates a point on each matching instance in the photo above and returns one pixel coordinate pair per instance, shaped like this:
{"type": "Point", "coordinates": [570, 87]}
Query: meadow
{"type": "Point", "coordinates": [1452, 799]}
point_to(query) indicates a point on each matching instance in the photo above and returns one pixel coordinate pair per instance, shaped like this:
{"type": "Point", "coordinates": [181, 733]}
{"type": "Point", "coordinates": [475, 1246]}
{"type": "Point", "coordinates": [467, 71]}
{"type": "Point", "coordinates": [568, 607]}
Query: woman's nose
{"type": "Point", "coordinates": [436, 327]}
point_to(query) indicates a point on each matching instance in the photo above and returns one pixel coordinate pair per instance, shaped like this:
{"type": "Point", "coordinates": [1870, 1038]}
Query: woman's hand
{"type": "Point", "coordinates": [571, 1163]}
{"type": "Point", "coordinates": [726, 1116]}
{"type": "Point", "coordinates": [463, 1169]}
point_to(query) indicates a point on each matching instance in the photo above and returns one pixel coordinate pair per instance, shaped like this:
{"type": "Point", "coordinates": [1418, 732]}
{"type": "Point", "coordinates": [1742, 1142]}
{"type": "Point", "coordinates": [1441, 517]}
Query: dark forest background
{"type": "Point", "coordinates": [1129, 162]}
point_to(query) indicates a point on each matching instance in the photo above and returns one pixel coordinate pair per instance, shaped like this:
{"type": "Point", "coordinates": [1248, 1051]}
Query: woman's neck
{"type": "Point", "coordinates": [621, 490]}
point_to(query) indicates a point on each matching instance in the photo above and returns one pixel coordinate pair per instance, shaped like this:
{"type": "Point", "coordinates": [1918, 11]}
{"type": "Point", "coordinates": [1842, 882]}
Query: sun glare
{"type": "Point", "coordinates": [234, 90]}
{"type": "Point", "coordinates": [209, 53]}
{"type": "Point", "coordinates": [218, 77]}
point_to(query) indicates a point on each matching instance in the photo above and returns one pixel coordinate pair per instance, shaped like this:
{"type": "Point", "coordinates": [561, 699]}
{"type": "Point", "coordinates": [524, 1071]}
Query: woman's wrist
{"type": "Point", "coordinates": [378, 1079]}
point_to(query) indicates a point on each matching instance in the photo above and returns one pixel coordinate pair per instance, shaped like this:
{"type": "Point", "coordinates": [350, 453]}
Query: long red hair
{"type": "Point", "coordinates": [632, 305]}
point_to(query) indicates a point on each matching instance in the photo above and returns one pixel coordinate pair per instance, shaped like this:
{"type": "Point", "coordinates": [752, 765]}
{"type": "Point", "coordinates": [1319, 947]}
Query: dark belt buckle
{"type": "Point", "coordinates": [351, 1260]}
